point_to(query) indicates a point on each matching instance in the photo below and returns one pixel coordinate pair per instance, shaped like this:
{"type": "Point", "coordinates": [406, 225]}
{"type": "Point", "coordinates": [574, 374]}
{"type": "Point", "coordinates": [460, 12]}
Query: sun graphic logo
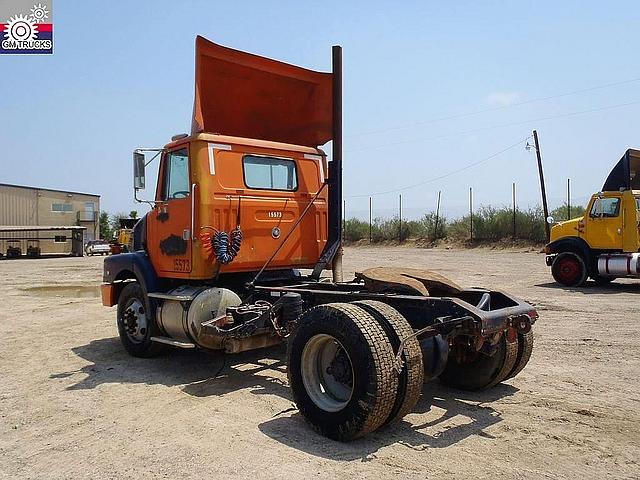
{"type": "Point", "coordinates": [39, 13]}
{"type": "Point", "coordinates": [20, 29]}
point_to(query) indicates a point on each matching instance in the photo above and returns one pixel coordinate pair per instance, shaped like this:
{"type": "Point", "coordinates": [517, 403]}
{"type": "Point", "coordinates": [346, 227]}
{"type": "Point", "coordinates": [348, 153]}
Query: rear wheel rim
{"type": "Point", "coordinates": [327, 373]}
{"type": "Point", "coordinates": [569, 270]}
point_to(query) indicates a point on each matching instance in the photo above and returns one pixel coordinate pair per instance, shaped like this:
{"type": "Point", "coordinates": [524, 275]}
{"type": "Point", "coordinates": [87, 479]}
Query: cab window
{"type": "Point", "coordinates": [605, 207]}
{"type": "Point", "coordinates": [270, 173]}
{"type": "Point", "coordinates": [176, 175]}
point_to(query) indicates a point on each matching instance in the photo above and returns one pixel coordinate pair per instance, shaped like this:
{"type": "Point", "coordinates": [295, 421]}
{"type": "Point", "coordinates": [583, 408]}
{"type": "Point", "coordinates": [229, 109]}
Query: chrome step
{"type": "Point", "coordinates": [172, 342]}
{"type": "Point", "coordinates": [177, 298]}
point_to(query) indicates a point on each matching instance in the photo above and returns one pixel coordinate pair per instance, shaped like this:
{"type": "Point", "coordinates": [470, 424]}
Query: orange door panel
{"type": "Point", "coordinates": [169, 223]}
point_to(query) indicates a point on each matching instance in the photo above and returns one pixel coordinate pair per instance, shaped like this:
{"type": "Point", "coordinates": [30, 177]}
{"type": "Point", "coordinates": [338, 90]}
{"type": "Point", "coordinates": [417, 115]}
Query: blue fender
{"type": "Point", "coordinates": [128, 265]}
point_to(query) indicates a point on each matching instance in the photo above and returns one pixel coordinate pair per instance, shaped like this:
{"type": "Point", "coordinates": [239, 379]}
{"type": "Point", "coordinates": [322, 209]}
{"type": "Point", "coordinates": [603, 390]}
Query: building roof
{"type": "Point", "coordinates": [37, 228]}
{"type": "Point", "coordinates": [48, 189]}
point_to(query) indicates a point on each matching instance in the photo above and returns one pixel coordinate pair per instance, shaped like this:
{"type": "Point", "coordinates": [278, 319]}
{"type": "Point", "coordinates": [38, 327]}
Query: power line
{"type": "Point", "coordinates": [493, 109]}
{"type": "Point", "coordinates": [466, 167]}
{"type": "Point", "coordinates": [493, 127]}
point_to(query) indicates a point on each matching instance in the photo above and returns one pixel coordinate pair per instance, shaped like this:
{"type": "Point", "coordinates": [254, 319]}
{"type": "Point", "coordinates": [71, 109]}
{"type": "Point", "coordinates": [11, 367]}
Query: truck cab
{"type": "Point", "coordinates": [210, 184]}
{"type": "Point", "coordinates": [604, 243]}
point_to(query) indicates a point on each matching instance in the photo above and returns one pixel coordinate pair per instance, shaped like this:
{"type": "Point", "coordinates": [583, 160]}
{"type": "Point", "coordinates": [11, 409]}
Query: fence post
{"type": "Point", "coordinates": [400, 216]}
{"type": "Point", "coordinates": [568, 199]}
{"type": "Point", "coordinates": [370, 219]}
{"type": "Point", "coordinates": [471, 213]}
{"type": "Point", "coordinates": [513, 185]}
{"type": "Point", "coordinates": [435, 233]}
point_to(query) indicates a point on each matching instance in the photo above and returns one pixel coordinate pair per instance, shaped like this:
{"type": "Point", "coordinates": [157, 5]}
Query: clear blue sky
{"type": "Point", "coordinates": [122, 77]}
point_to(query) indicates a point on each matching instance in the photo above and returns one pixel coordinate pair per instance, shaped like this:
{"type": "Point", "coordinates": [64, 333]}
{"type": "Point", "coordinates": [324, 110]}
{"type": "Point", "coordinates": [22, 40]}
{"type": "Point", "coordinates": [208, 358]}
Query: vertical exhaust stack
{"type": "Point", "coordinates": [335, 169]}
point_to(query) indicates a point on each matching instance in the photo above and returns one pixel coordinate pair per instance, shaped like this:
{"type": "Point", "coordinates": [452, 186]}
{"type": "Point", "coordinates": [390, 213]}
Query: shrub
{"type": "Point", "coordinates": [489, 224]}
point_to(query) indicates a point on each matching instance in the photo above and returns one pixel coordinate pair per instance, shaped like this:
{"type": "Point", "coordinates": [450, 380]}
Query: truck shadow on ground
{"type": "Point", "coordinates": [592, 288]}
{"type": "Point", "coordinates": [198, 372]}
{"type": "Point", "coordinates": [442, 417]}
{"type": "Point", "coordinates": [453, 416]}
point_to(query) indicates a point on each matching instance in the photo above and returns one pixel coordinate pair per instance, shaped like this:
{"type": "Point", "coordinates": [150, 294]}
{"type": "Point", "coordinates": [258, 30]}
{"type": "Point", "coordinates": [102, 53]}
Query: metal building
{"type": "Point", "coordinates": [40, 207]}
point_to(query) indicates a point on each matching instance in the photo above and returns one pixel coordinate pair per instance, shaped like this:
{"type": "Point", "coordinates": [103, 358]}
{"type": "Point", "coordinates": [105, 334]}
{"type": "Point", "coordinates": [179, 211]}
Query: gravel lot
{"type": "Point", "coordinates": [73, 404]}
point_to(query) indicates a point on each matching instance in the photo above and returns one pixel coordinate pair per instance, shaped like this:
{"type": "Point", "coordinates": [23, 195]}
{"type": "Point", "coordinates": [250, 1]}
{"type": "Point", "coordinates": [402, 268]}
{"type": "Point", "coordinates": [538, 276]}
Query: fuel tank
{"type": "Point", "coordinates": [185, 324]}
{"type": "Point", "coordinates": [619, 265]}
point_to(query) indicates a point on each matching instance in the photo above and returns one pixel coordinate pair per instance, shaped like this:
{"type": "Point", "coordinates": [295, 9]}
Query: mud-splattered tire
{"type": "Point", "coordinates": [338, 402]}
{"type": "Point", "coordinates": [470, 370]}
{"type": "Point", "coordinates": [525, 349]}
{"type": "Point", "coordinates": [411, 379]}
{"type": "Point", "coordinates": [569, 269]}
{"type": "Point", "coordinates": [137, 322]}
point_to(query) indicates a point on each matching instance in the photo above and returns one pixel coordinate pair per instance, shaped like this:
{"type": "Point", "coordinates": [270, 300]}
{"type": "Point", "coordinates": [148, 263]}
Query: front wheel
{"type": "Point", "coordinates": [341, 371]}
{"type": "Point", "coordinates": [136, 322]}
{"type": "Point", "coordinates": [569, 269]}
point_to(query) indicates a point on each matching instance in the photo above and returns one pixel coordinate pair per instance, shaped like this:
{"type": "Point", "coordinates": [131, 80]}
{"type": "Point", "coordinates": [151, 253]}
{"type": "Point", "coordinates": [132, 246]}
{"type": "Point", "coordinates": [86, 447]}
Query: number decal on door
{"type": "Point", "coordinates": [181, 264]}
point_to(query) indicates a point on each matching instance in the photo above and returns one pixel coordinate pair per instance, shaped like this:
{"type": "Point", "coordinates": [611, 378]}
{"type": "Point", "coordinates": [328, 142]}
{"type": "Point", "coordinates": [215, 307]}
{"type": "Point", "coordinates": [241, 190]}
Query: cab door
{"type": "Point", "coordinates": [170, 221]}
{"type": "Point", "coordinates": [605, 223]}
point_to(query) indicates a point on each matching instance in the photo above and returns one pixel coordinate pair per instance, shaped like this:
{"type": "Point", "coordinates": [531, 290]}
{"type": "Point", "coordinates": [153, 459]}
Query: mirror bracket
{"type": "Point", "coordinates": [139, 164]}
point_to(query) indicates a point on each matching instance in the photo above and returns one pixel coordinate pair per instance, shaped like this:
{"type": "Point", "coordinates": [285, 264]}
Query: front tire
{"type": "Point", "coordinates": [136, 322]}
{"type": "Point", "coordinates": [341, 371]}
{"type": "Point", "coordinates": [569, 269]}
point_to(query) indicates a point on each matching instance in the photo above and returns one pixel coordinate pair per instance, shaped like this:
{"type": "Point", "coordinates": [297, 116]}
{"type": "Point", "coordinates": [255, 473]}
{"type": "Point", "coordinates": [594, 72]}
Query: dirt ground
{"type": "Point", "coordinates": [74, 405]}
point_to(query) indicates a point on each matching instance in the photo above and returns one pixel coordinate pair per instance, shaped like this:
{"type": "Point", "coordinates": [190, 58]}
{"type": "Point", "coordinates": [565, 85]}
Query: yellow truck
{"type": "Point", "coordinates": [604, 244]}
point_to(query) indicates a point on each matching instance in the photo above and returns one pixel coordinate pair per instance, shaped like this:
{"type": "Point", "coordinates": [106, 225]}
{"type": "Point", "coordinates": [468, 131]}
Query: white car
{"type": "Point", "coordinates": [97, 247]}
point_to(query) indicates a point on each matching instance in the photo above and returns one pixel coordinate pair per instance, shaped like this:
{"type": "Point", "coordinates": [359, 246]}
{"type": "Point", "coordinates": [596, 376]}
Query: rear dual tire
{"type": "Point", "coordinates": [411, 378]}
{"type": "Point", "coordinates": [341, 368]}
{"type": "Point", "coordinates": [468, 369]}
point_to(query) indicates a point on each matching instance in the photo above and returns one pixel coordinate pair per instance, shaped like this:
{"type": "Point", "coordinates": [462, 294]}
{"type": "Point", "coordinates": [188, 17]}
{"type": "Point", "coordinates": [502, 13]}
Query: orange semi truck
{"type": "Point", "coordinates": [246, 217]}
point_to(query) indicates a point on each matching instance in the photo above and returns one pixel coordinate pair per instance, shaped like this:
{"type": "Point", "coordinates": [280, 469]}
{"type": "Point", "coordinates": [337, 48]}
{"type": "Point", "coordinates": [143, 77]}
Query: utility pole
{"type": "Point", "coordinates": [435, 233]}
{"type": "Point", "coordinates": [542, 187]}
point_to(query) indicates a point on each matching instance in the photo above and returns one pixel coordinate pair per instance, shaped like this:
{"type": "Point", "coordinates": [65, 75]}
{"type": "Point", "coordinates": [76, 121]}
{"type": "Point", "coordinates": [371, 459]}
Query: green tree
{"type": "Point", "coordinates": [106, 232]}
{"type": "Point", "coordinates": [114, 221]}
{"type": "Point", "coordinates": [133, 214]}
{"type": "Point", "coordinates": [561, 214]}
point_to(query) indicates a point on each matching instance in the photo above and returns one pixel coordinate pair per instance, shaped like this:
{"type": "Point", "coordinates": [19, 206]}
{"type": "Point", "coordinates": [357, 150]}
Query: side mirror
{"type": "Point", "coordinates": [550, 220]}
{"type": "Point", "coordinates": [138, 171]}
